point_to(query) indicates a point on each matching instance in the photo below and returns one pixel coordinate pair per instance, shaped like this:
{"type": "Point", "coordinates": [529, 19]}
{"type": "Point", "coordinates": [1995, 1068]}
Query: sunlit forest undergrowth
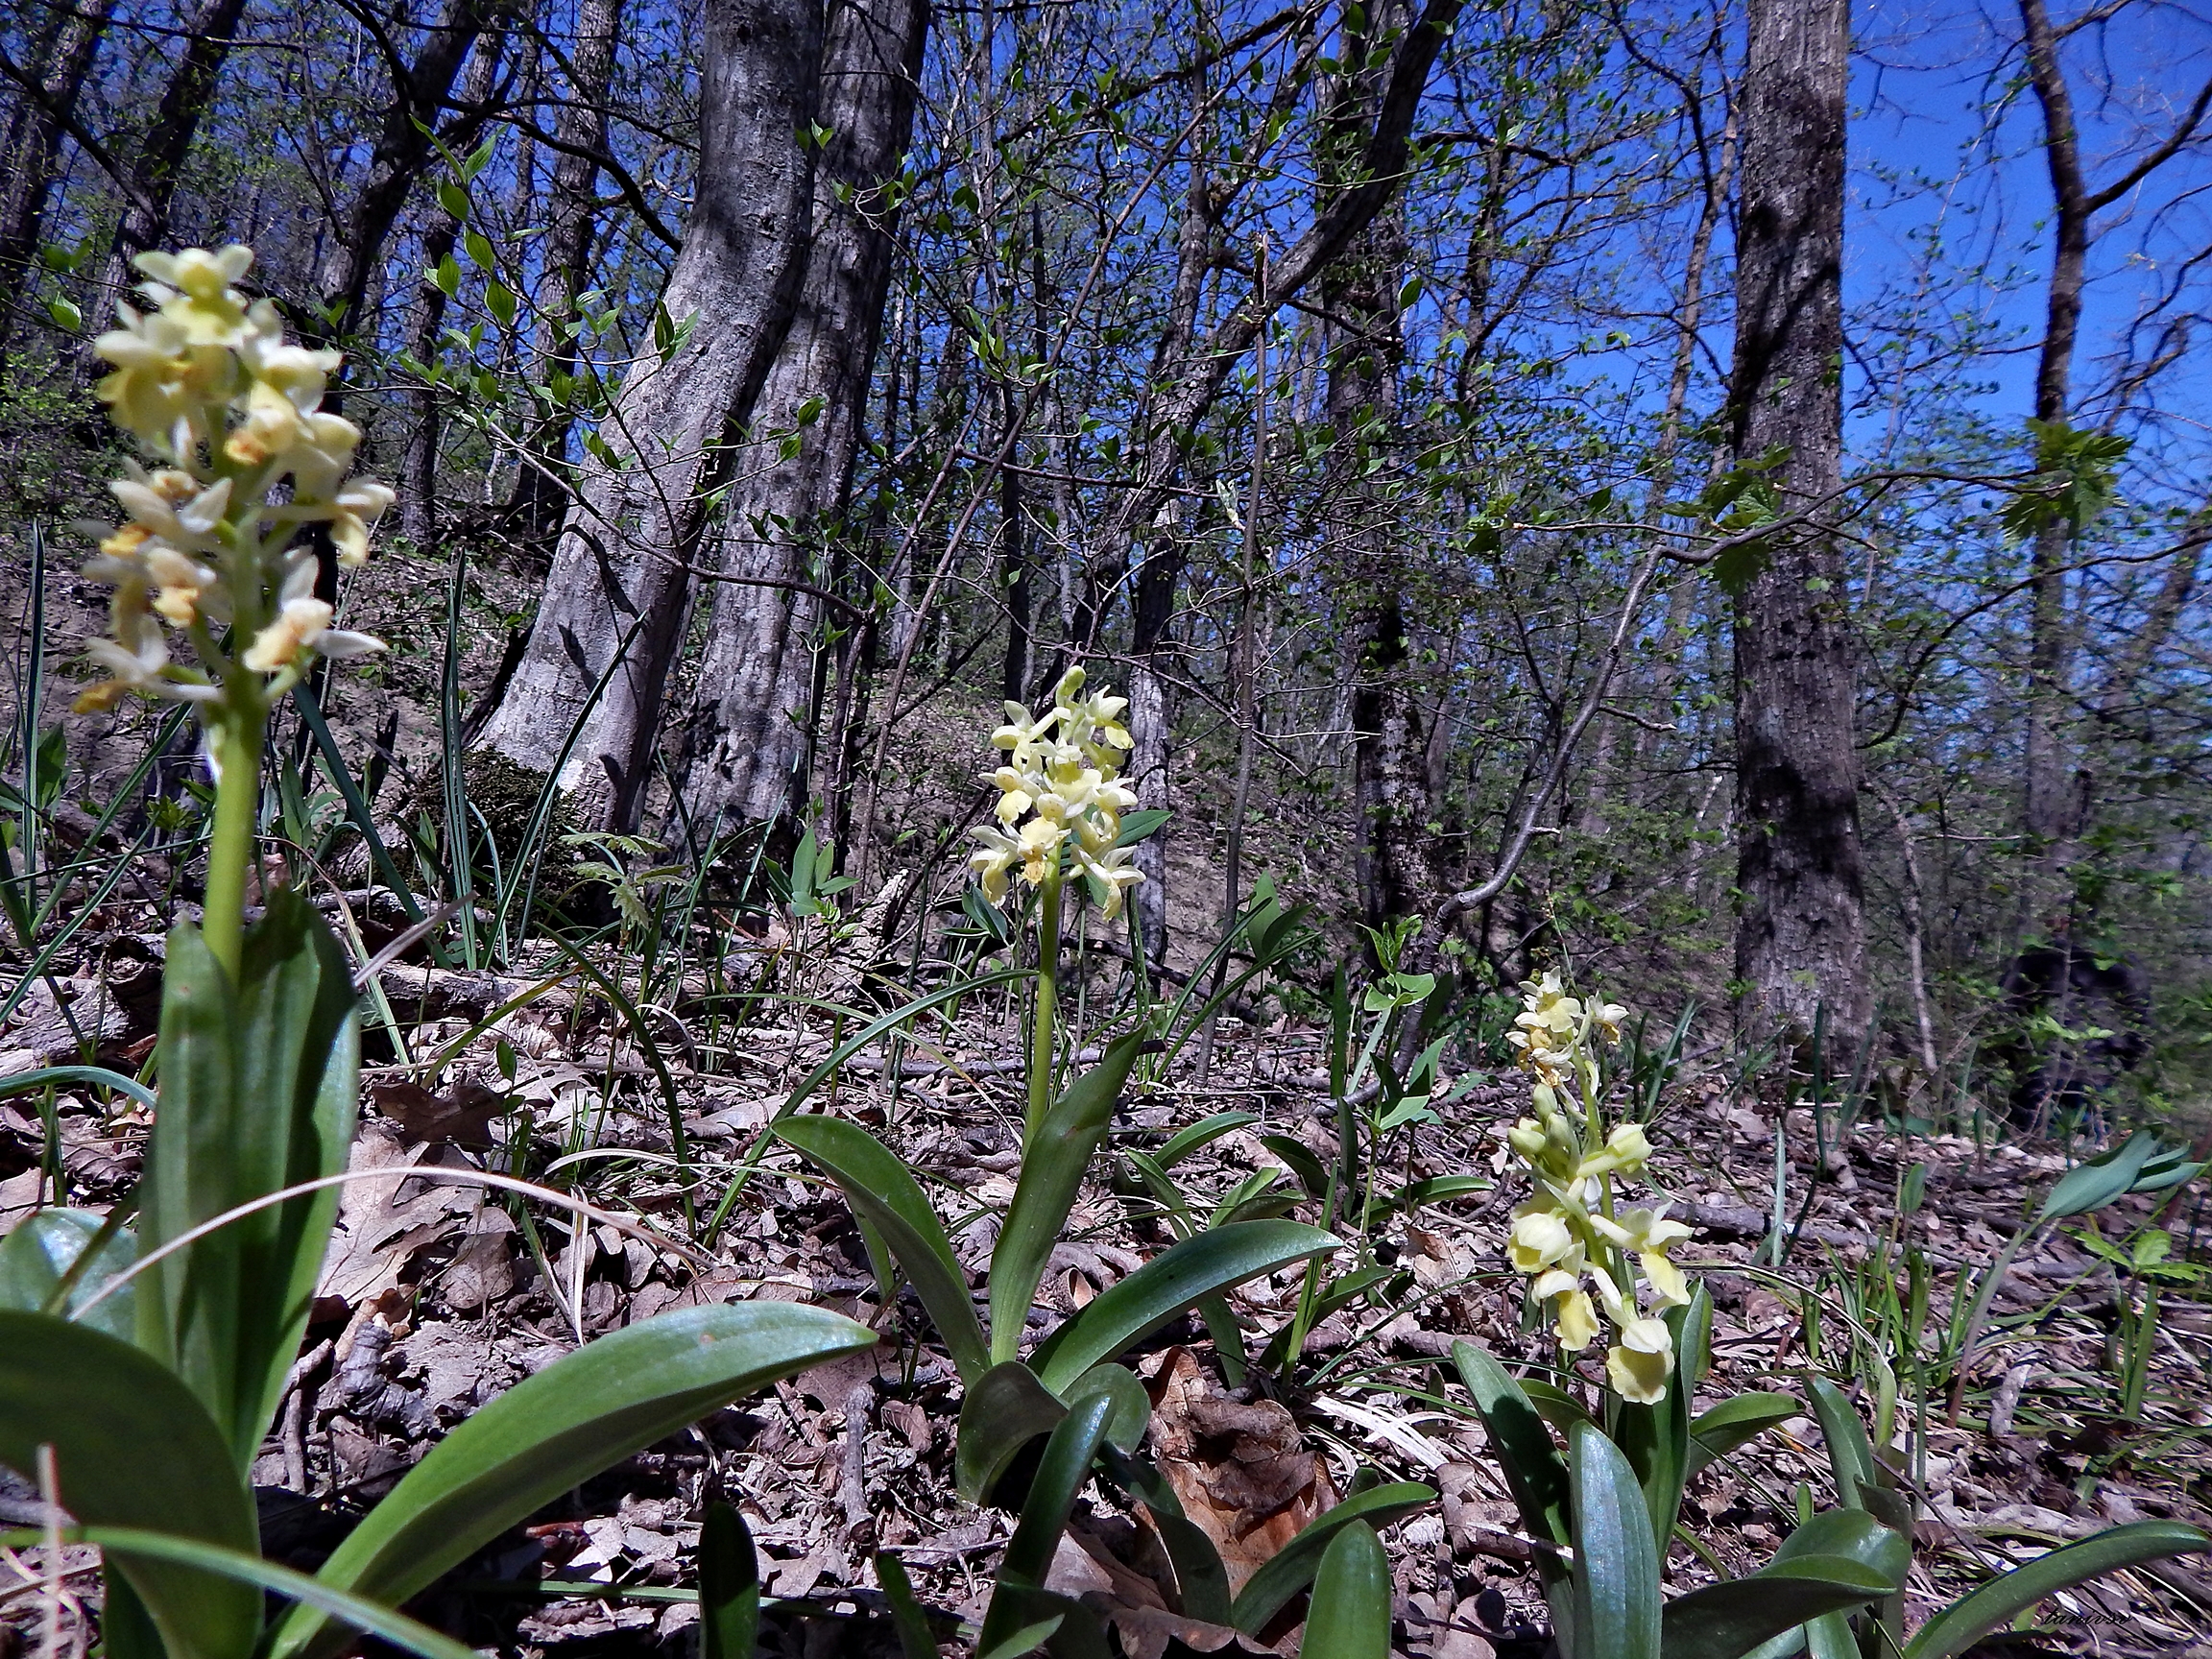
{"type": "Point", "coordinates": [1365, 830]}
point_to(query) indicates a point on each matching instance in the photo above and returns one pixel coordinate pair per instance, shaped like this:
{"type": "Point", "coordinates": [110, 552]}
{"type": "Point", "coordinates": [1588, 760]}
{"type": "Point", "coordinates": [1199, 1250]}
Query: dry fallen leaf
{"type": "Point", "coordinates": [1243, 1472]}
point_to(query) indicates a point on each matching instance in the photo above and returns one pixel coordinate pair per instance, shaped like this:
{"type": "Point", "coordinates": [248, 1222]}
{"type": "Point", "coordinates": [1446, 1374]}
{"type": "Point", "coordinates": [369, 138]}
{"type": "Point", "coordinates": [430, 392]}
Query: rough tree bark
{"type": "Point", "coordinates": [46, 101]}
{"type": "Point", "coordinates": [209, 31]}
{"type": "Point", "coordinates": [753, 718]}
{"type": "Point", "coordinates": [2047, 811]}
{"type": "Point", "coordinates": [619, 585]}
{"type": "Point", "coordinates": [1160, 571]}
{"type": "Point", "coordinates": [1397, 867]}
{"type": "Point", "coordinates": [1801, 929]}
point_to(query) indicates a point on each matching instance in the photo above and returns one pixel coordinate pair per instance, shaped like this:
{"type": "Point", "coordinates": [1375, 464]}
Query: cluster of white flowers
{"type": "Point", "coordinates": [231, 414]}
{"type": "Point", "coordinates": [1568, 1236]}
{"type": "Point", "coordinates": [1062, 776]}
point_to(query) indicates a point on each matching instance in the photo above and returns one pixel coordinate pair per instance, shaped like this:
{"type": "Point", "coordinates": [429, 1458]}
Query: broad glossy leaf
{"type": "Point", "coordinates": [133, 1448]}
{"type": "Point", "coordinates": [1061, 1473]}
{"type": "Point", "coordinates": [1004, 1410]}
{"type": "Point", "coordinates": [1733, 1422]}
{"type": "Point", "coordinates": [1292, 1568]}
{"type": "Point", "coordinates": [256, 1574]}
{"type": "Point", "coordinates": [1178, 1278]}
{"type": "Point", "coordinates": [1522, 1444]}
{"type": "Point", "coordinates": [550, 1432]}
{"type": "Point", "coordinates": [257, 1093]}
{"type": "Point", "coordinates": [2005, 1597]}
{"type": "Point", "coordinates": [1052, 1168]}
{"type": "Point", "coordinates": [2107, 1176]}
{"type": "Point", "coordinates": [728, 1586]}
{"type": "Point", "coordinates": [1298, 1158]}
{"type": "Point", "coordinates": [1655, 1439]}
{"type": "Point", "coordinates": [1201, 1580]}
{"type": "Point", "coordinates": [1350, 1614]}
{"type": "Point", "coordinates": [1850, 1453]}
{"type": "Point", "coordinates": [1830, 1637]}
{"type": "Point", "coordinates": [1616, 1602]}
{"type": "Point", "coordinates": [884, 1195]}
{"type": "Point", "coordinates": [44, 1250]}
{"type": "Point", "coordinates": [1729, 1619]}
{"type": "Point", "coordinates": [1132, 1406]}
{"type": "Point", "coordinates": [1848, 1535]}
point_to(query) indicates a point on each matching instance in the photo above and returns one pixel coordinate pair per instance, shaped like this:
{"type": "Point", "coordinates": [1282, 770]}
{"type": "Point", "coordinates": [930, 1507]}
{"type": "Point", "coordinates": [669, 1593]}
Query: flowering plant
{"type": "Point", "coordinates": [1060, 795]}
{"type": "Point", "coordinates": [1569, 1231]}
{"type": "Point", "coordinates": [1064, 775]}
{"type": "Point", "coordinates": [244, 457]}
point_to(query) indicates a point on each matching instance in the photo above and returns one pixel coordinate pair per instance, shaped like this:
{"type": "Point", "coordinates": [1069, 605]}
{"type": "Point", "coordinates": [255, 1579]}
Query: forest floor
{"type": "Point", "coordinates": [437, 1296]}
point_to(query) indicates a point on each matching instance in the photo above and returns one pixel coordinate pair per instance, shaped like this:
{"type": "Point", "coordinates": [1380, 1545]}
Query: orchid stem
{"type": "Point", "coordinates": [1047, 997]}
{"type": "Point", "coordinates": [235, 740]}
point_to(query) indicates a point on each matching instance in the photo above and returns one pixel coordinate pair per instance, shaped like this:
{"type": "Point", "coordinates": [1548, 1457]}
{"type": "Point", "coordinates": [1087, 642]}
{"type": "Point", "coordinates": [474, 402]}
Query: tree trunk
{"type": "Point", "coordinates": [403, 148]}
{"type": "Point", "coordinates": [418, 469]}
{"type": "Point", "coordinates": [1394, 850]}
{"type": "Point", "coordinates": [1800, 933]}
{"type": "Point", "coordinates": [617, 594]}
{"type": "Point", "coordinates": [2048, 808]}
{"type": "Point", "coordinates": [540, 494]}
{"type": "Point", "coordinates": [752, 722]}
{"type": "Point", "coordinates": [34, 129]}
{"type": "Point", "coordinates": [210, 32]}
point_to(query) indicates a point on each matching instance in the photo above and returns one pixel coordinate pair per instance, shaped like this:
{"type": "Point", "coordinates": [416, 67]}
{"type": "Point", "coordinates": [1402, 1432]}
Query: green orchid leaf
{"type": "Point", "coordinates": [1061, 1474]}
{"type": "Point", "coordinates": [1850, 1453]}
{"type": "Point", "coordinates": [254, 1575]}
{"type": "Point", "coordinates": [1298, 1158]}
{"type": "Point", "coordinates": [2103, 1178]}
{"type": "Point", "coordinates": [884, 1195]}
{"type": "Point", "coordinates": [1292, 1568]}
{"type": "Point", "coordinates": [1616, 1596]}
{"type": "Point", "coordinates": [1743, 1614]}
{"type": "Point", "coordinates": [1052, 1170]}
{"type": "Point", "coordinates": [1201, 1134]}
{"type": "Point", "coordinates": [45, 1252]}
{"type": "Point", "coordinates": [729, 1585]}
{"type": "Point", "coordinates": [1534, 1471]}
{"type": "Point", "coordinates": [133, 1448]}
{"type": "Point", "coordinates": [258, 1084]}
{"type": "Point", "coordinates": [1837, 1560]}
{"type": "Point", "coordinates": [1655, 1438]}
{"type": "Point", "coordinates": [1350, 1614]}
{"type": "Point", "coordinates": [2005, 1597]}
{"type": "Point", "coordinates": [906, 1616]}
{"type": "Point", "coordinates": [551, 1431]}
{"type": "Point", "coordinates": [1736, 1422]}
{"type": "Point", "coordinates": [1132, 1406]}
{"type": "Point", "coordinates": [1178, 1278]}
{"type": "Point", "coordinates": [1850, 1535]}
{"type": "Point", "coordinates": [1201, 1580]}
{"type": "Point", "coordinates": [1004, 1410]}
